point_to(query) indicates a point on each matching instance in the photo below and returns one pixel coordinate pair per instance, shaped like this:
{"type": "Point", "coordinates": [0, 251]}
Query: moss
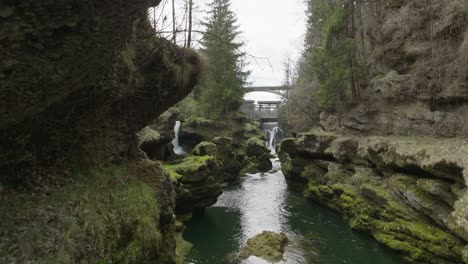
{"type": "Point", "coordinates": [267, 245]}
{"type": "Point", "coordinates": [182, 249]}
{"type": "Point", "coordinates": [99, 217]}
{"type": "Point", "coordinates": [393, 224]}
{"type": "Point", "coordinates": [252, 130]}
{"type": "Point", "coordinates": [178, 169]}
{"type": "Point", "coordinates": [205, 148]}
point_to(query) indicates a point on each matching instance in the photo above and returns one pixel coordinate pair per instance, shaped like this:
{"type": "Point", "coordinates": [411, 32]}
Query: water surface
{"type": "Point", "coordinates": [265, 202]}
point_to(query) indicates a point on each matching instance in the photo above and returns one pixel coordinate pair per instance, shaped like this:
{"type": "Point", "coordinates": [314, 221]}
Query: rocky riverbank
{"type": "Point", "coordinates": [408, 192]}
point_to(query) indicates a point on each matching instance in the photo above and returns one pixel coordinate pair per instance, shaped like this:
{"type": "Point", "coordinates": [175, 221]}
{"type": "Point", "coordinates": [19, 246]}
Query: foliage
{"type": "Point", "coordinates": [328, 70]}
{"type": "Point", "coordinates": [329, 62]}
{"type": "Point", "coordinates": [98, 218]}
{"type": "Point", "coordinates": [221, 89]}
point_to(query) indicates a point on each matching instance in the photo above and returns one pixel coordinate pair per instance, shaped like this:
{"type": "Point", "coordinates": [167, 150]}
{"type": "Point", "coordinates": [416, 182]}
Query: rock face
{"type": "Point", "coordinates": [414, 56]}
{"type": "Point", "coordinates": [267, 245]}
{"type": "Point", "coordinates": [84, 84]}
{"type": "Point", "coordinates": [197, 182]}
{"type": "Point", "coordinates": [417, 82]}
{"type": "Point", "coordinates": [155, 139]}
{"type": "Point", "coordinates": [78, 80]}
{"type": "Point", "coordinates": [408, 192]}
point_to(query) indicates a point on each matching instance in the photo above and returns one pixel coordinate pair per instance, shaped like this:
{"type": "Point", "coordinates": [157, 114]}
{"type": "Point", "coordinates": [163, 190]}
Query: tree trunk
{"type": "Point", "coordinates": [173, 22]}
{"type": "Point", "coordinates": [189, 37]}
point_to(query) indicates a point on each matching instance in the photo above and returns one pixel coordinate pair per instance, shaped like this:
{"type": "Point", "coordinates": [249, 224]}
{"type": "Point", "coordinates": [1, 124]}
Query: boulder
{"type": "Point", "coordinates": [255, 147]}
{"type": "Point", "coordinates": [223, 150]}
{"type": "Point", "coordinates": [205, 148]}
{"type": "Point", "coordinates": [196, 180]}
{"type": "Point", "coordinates": [195, 130]}
{"type": "Point", "coordinates": [267, 245]}
{"type": "Point", "coordinates": [155, 138]}
{"type": "Point", "coordinates": [257, 156]}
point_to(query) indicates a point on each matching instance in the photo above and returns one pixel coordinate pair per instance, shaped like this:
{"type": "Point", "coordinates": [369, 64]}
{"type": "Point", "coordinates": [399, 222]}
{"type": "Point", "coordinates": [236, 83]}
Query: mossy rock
{"type": "Point", "coordinates": [223, 141]}
{"type": "Point", "coordinates": [193, 169]}
{"type": "Point", "coordinates": [267, 245]}
{"type": "Point", "coordinates": [253, 129]}
{"type": "Point", "coordinates": [205, 148]}
{"type": "Point", "coordinates": [118, 214]}
{"type": "Point", "coordinates": [255, 147]}
{"type": "Point", "coordinates": [198, 129]}
{"type": "Point", "coordinates": [197, 182]}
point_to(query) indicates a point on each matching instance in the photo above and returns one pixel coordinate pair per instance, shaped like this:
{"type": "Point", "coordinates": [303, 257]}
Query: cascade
{"type": "Point", "coordinates": [175, 142]}
{"type": "Point", "coordinates": [271, 133]}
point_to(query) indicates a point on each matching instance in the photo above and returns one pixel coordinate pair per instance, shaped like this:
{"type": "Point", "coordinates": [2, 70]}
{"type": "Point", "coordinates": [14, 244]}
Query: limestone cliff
{"type": "Point", "coordinates": [78, 80]}
{"type": "Point", "coordinates": [408, 192]}
{"type": "Point", "coordinates": [406, 71]}
{"type": "Point", "coordinates": [417, 54]}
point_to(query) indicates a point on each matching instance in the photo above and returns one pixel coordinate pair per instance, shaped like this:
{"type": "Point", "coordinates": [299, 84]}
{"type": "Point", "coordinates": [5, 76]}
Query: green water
{"type": "Point", "coordinates": [265, 202]}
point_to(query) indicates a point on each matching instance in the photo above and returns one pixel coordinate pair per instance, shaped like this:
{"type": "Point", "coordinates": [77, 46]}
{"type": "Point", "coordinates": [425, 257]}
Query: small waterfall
{"type": "Point", "coordinates": [175, 142]}
{"type": "Point", "coordinates": [271, 133]}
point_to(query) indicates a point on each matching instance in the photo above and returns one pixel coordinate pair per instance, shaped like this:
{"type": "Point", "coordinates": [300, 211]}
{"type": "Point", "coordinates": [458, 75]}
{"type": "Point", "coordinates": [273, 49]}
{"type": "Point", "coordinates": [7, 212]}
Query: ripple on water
{"type": "Point", "coordinates": [263, 201]}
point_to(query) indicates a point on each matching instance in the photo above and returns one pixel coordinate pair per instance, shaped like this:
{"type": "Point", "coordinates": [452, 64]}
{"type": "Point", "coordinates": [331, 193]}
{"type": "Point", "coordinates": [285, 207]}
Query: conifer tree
{"type": "Point", "coordinates": [221, 91]}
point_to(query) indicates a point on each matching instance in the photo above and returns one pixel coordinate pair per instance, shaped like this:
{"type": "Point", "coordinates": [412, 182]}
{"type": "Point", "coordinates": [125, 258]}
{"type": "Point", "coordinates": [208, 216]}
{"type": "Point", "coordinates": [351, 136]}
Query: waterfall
{"type": "Point", "coordinates": [175, 142]}
{"type": "Point", "coordinates": [271, 133]}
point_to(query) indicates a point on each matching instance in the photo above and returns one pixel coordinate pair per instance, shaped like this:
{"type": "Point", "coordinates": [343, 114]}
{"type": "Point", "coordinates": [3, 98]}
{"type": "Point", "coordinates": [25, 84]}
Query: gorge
{"type": "Point", "coordinates": [122, 144]}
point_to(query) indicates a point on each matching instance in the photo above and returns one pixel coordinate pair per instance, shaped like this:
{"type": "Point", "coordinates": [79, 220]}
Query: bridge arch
{"type": "Point", "coordinates": [277, 90]}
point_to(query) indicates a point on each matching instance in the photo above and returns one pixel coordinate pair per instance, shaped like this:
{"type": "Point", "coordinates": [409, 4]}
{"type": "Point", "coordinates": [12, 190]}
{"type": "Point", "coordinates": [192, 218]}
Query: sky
{"type": "Point", "coordinates": [273, 31]}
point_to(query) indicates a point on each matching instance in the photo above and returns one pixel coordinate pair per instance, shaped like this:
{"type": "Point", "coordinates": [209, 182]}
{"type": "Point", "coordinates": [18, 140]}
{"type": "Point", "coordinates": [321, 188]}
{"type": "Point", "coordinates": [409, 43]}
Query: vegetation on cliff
{"type": "Point", "coordinates": [383, 67]}
{"type": "Point", "coordinates": [406, 191]}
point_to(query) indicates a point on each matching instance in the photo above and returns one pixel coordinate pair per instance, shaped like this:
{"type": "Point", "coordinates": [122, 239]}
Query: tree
{"type": "Point", "coordinates": [190, 23]}
{"type": "Point", "coordinates": [221, 90]}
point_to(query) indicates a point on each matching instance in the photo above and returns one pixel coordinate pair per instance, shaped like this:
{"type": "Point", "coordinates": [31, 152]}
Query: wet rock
{"type": "Point", "coordinates": [409, 192]}
{"type": "Point", "coordinates": [267, 245]}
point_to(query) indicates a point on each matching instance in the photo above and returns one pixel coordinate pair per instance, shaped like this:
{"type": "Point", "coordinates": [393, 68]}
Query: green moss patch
{"type": "Point", "coordinates": [105, 216]}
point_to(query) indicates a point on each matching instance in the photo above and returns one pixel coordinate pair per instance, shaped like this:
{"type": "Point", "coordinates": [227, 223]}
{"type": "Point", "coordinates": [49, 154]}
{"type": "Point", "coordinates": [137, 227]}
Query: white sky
{"type": "Point", "coordinates": [271, 29]}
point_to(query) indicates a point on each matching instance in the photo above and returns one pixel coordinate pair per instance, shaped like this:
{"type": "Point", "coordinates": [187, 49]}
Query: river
{"type": "Point", "coordinates": [264, 201]}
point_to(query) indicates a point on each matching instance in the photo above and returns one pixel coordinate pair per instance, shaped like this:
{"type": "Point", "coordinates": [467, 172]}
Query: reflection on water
{"type": "Point", "coordinates": [265, 202]}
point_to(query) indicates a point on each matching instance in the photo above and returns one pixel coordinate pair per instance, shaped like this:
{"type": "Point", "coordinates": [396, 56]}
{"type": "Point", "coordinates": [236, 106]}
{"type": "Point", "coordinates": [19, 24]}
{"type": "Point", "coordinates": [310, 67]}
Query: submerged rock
{"type": "Point", "coordinates": [267, 245]}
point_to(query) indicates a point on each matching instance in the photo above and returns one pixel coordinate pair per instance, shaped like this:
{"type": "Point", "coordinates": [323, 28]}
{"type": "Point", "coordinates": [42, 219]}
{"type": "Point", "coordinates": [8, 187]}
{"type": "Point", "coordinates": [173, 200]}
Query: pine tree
{"type": "Point", "coordinates": [221, 91]}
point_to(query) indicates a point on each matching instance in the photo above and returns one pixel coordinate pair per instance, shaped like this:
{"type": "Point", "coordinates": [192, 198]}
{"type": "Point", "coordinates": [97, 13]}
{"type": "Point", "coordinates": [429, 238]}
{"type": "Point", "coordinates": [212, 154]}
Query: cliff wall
{"type": "Point", "coordinates": [78, 80]}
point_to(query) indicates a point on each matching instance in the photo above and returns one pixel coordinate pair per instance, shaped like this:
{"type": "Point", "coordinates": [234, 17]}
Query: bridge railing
{"type": "Point", "coordinates": [259, 111]}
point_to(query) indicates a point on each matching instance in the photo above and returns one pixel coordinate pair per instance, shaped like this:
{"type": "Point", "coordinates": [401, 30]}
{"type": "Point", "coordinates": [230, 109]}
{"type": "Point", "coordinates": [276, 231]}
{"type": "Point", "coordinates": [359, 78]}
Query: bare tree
{"type": "Point", "coordinates": [174, 29]}
{"type": "Point", "coordinates": [190, 23]}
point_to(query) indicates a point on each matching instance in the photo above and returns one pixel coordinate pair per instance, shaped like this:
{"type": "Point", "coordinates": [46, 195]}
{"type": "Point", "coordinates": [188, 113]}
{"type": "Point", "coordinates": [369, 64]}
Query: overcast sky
{"type": "Point", "coordinates": [271, 29]}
